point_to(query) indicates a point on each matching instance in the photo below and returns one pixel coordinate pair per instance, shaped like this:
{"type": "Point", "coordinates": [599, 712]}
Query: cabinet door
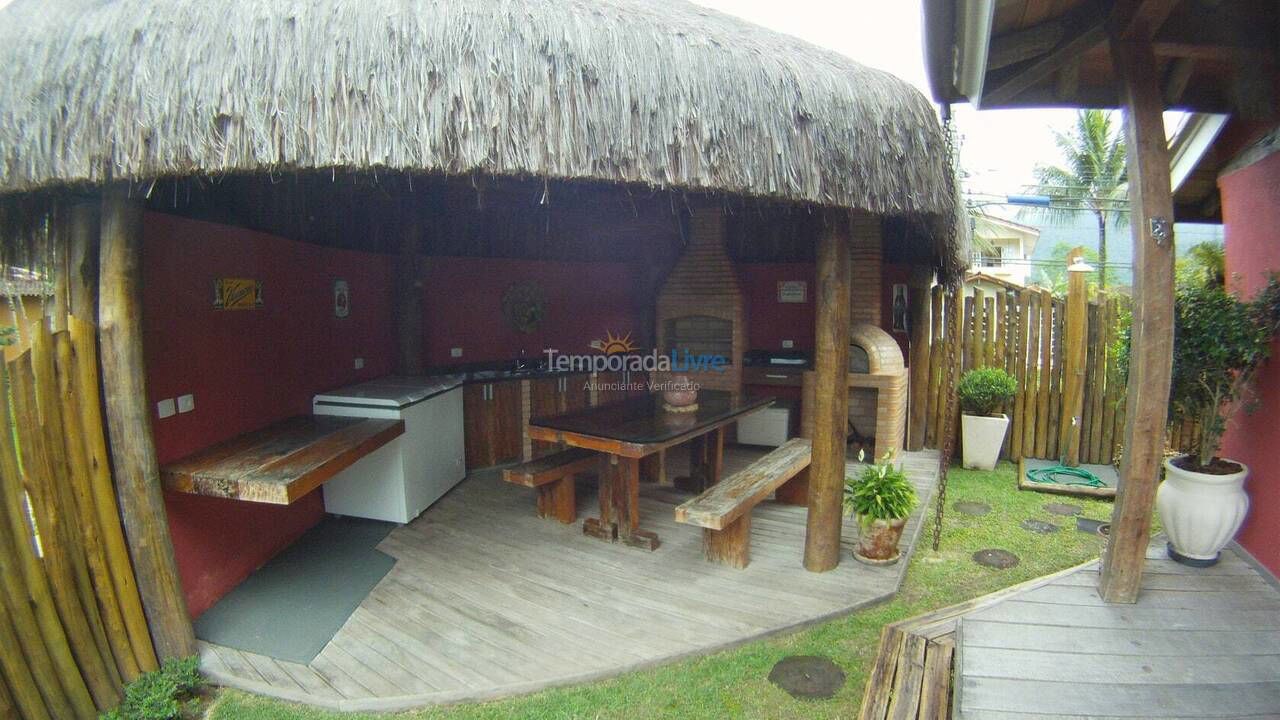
{"type": "Point", "coordinates": [545, 400]}
{"type": "Point", "coordinates": [577, 394]}
{"type": "Point", "coordinates": [609, 388]}
{"type": "Point", "coordinates": [476, 418]}
{"type": "Point", "coordinates": [637, 383]}
{"type": "Point", "coordinates": [508, 425]}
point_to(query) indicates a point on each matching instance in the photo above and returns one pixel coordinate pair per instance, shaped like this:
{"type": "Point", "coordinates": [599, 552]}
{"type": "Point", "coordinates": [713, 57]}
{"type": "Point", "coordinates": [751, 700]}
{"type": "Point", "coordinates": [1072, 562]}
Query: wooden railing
{"type": "Point", "coordinates": [72, 628]}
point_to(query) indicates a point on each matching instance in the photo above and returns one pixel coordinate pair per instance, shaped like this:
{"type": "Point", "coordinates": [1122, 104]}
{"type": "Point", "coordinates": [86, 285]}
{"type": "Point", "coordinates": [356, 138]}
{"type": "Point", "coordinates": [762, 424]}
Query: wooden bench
{"type": "Point", "coordinates": [552, 475]}
{"type": "Point", "coordinates": [724, 510]}
{"type": "Point", "coordinates": [281, 462]}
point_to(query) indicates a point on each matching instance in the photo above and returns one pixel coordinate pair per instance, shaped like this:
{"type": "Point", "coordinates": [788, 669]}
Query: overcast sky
{"type": "Point", "coordinates": [999, 149]}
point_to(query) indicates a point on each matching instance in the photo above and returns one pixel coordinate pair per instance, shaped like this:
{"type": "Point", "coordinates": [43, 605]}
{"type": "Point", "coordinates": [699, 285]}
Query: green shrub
{"type": "Point", "coordinates": [1218, 343]}
{"type": "Point", "coordinates": [983, 390]}
{"type": "Point", "coordinates": [880, 492]}
{"type": "Point", "coordinates": [160, 695]}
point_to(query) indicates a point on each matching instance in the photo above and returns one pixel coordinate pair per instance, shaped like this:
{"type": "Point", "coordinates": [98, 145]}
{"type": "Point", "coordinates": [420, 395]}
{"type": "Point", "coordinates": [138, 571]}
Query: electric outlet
{"type": "Point", "coordinates": [359, 363]}
{"type": "Point", "coordinates": [788, 344]}
{"type": "Point", "coordinates": [186, 403]}
{"type": "Point", "coordinates": [455, 352]}
{"type": "Point", "coordinates": [165, 408]}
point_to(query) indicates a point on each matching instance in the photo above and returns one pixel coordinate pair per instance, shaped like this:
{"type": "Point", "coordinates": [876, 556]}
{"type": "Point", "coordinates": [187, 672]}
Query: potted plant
{"type": "Point", "coordinates": [1219, 341]}
{"type": "Point", "coordinates": [981, 393]}
{"type": "Point", "coordinates": [881, 498]}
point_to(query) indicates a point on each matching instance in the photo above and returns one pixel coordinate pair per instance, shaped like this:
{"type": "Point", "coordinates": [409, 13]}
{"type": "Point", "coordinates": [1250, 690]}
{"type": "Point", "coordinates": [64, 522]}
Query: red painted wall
{"type": "Point", "coordinates": [247, 369]}
{"type": "Point", "coordinates": [1251, 218]}
{"type": "Point", "coordinates": [463, 307]}
{"type": "Point", "coordinates": [769, 322]}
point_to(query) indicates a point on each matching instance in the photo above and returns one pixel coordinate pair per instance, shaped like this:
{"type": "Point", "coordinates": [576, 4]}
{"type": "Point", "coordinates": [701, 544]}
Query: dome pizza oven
{"type": "Point", "coordinates": [877, 389]}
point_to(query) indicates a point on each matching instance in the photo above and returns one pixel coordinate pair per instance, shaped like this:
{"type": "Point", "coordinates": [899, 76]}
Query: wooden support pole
{"type": "Point", "coordinates": [1074, 365]}
{"type": "Point", "coordinates": [921, 280]}
{"type": "Point", "coordinates": [831, 399]}
{"type": "Point", "coordinates": [409, 292]}
{"type": "Point", "coordinates": [133, 450]}
{"type": "Point", "coordinates": [1151, 349]}
{"type": "Point", "coordinates": [82, 262]}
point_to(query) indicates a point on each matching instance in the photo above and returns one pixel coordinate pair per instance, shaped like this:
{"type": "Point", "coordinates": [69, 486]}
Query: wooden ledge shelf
{"type": "Point", "coordinates": [282, 462]}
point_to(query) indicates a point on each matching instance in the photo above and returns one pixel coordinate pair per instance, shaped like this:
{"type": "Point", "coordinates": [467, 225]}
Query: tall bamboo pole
{"type": "Point", "coordinates": [831, 411]}
{"type": "Point", "coordinates": [66, 682]}
{"type": "Point", "coordinates": [133, 450]}
{"type": "Point", "coordinates": [1074, 364]}
{"type": "Point", "coordinates": [79, 474]}
{"type": "Point", "coordinates": [83, 341]}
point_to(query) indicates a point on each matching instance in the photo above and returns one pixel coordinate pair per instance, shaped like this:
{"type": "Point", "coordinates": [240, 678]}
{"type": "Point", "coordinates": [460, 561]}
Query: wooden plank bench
{"type": "Point", "coordinates": [724, 510]}
{"type": "Point", "coordinates": [552, 475]}
{"type": "Point", "coordinates": [281, 462]}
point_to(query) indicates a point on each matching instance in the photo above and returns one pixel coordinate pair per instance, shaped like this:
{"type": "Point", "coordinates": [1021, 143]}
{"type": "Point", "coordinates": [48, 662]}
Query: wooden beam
{"type": "Point", "coordinates": [1068, 83]}
{"type": "Point", "coordinates": [921, 282]}
{"type": "Point", "coordinates": [133, 450]}
{"type": "Point", "coordinates": [1086, 27]}
{"type": "Point", "coordinates": [1213, 51]}
{"type": "Point", "coordinates": [1151, 347]}
{"type": "Point", "coordinates": [1141, 19]}
{"type": "Point", "coordinates": [409, 292]}
{"type": "Point", "coordinates": [831, 404]}
{"type": "Point", "coordinates": [1020, 45]}
{"type": "Point", "coordinates": [1176, 79]}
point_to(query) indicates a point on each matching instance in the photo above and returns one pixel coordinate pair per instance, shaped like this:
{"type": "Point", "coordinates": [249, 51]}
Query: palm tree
{"type": "Point", "coordinates": [1093, 177]}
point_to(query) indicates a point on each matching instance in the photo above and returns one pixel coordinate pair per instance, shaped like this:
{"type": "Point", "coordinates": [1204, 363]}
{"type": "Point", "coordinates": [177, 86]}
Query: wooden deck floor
{"type": "Point", "coordinates": [486, 600]}
{"type": "Point", "coordinates": [1200, 643]}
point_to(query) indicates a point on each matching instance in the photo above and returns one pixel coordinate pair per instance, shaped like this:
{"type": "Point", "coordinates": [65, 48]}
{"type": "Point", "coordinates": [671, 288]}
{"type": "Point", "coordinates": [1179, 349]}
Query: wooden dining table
{"type": "Point", "coordinates": [627, 431]}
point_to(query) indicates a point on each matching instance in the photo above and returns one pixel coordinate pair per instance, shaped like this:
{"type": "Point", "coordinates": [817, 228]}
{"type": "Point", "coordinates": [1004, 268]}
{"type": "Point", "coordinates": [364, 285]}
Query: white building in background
{"type": "Point", "coordinates": [1003, 249]}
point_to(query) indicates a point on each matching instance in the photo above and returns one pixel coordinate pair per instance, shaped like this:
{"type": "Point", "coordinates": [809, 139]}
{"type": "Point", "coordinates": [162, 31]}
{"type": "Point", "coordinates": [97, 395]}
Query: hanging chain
{"type": "Point", "coordinates": [951, 368]}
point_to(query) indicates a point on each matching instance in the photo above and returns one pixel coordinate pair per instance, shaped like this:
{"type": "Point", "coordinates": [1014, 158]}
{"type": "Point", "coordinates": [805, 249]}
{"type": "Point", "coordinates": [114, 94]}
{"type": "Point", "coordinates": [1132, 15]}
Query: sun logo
{"type": "Point", "coordinates": [612, 344]}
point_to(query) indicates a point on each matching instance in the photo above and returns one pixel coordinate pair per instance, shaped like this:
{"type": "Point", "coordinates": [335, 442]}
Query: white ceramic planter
{"type": "Point", "coordinates": [1200, 512]}
{"type": "Point", "coordinates": [981, 439]}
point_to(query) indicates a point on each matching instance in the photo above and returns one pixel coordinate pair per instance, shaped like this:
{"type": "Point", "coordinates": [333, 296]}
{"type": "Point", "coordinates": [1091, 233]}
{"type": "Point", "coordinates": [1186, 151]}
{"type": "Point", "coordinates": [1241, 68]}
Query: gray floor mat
{"type": "Point", "coordinates": [291, 607]}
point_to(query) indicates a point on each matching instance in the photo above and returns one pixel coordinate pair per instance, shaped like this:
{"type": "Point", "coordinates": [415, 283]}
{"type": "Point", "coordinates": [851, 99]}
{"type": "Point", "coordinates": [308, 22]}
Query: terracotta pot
{"type": "Point", "coordinates": [1201, 512]}
{"type": "Point", "coordinates": [878, 540]}
{"type": "Point", "coordinates": [682, 392]}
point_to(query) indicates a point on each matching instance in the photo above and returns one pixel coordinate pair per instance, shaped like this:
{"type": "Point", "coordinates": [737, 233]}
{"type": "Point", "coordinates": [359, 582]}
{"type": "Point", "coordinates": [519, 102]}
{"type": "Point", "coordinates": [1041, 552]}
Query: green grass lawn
{"type": "Point", "coordinates": [734, 683]}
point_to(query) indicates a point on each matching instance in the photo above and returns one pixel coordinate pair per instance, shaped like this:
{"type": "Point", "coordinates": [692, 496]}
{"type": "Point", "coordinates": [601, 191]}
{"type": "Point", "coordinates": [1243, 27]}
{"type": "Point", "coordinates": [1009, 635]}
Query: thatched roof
{"type": "Point", "coordinates": [659, 92]}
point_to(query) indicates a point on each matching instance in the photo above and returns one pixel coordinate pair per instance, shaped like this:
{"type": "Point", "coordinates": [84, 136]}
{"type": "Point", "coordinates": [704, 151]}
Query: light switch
{"type": "Point", "coordinates": [455, 352]}
{"type": "Point", "coordinates": [165, 408]}
{"type": "Point", "coordinates": [788, 344]}
{"type": "Point", "coordinates": [359, 363]}
{"type": "Point", "coordinates": [186, 403]}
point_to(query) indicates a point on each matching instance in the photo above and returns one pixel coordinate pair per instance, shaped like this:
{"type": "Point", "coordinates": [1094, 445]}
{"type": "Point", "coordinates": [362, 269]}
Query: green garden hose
{"type": "Point", "coordinates": [1063, 475]}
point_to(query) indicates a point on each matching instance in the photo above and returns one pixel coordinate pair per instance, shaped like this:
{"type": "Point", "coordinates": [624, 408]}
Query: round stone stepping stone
{"type": "Point", "coordinates": [807, 676]}
{"type": "Point", "coordinates": [1063, 509]}
{"type": "Point", "coordinates": [1039, 527]}
{"type": "Point", "coordinates": [994, 558]}
{"type": "Point", "coordinates": [966, 507]}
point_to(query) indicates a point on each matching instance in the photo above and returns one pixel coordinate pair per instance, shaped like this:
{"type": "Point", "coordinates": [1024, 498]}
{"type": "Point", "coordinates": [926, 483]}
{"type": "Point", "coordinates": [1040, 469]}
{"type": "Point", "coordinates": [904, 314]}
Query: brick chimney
{"type": "Point", "coordinates": [699, 306]}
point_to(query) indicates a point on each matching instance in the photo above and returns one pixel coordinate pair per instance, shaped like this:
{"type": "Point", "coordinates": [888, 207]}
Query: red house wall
{"type": "Point", "coordinates": [247, 369]}
{"type": "Point", "coordinates": [1251, 219]}
{"type": "Point", "coordinates": [463, 307]}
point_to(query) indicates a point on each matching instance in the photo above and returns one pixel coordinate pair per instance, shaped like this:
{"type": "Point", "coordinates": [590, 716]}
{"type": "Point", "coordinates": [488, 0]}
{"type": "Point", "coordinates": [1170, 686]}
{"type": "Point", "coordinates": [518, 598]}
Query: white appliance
{"type": "Point", "coordinates": [402, 478]}
{"type": "Point", "coordinates": [769, 426]}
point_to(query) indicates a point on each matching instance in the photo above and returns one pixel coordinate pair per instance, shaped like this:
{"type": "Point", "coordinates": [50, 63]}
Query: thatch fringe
{"type": "Point", "coordinates": [657, 92]}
